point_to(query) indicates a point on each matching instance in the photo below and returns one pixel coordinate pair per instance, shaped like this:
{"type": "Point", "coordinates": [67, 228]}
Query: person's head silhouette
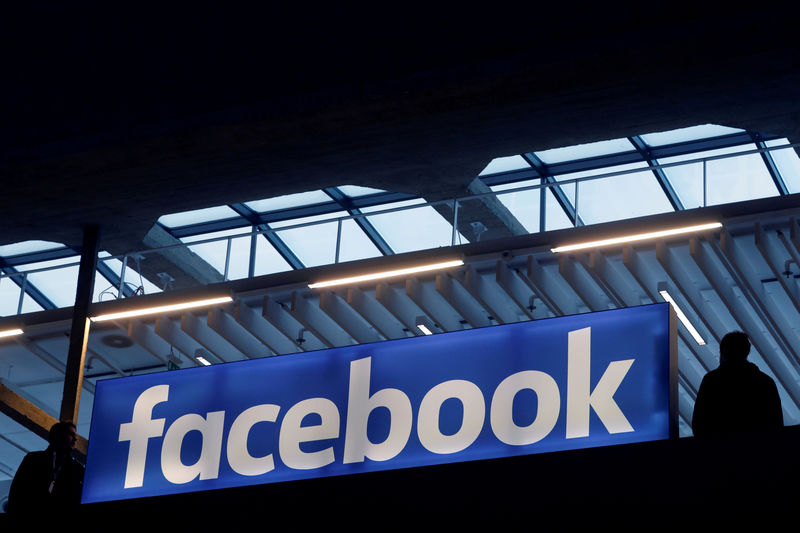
{"type": "Point", "coordinates": [734, 347]}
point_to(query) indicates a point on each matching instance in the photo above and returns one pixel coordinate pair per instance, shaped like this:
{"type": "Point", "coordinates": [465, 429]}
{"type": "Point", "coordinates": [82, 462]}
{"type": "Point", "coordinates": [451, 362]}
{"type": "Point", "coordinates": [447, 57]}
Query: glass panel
{"type": "Point", "coordinates": [355, 243]}
{"type": "Point", "coordinates": [731, 179]}
{"type": "Point", "coordinates": [354, 191]}
{"type": "Point", "coordinates": [220, 212]}
{"type": "Point", "coordinates": [133, 278]}
{"type": "Point", "coordinates": [554, 216]}
{"type": "Point", "coordinates": [59, 285]}
{"type": "Point", "coordinates": [9, 298]}
{"type": "Point", "coordinates": [27, 247]}
{"type": "Point", "coordinates": [788, 164]}
{"type": "Point", "coordinates": [504, 164]}
{"type": "Point", "coordinates": [413, 229]}
{"type": "Point", "coordinates": [524, 205]}
{"type": "Point", "coordinates": [268, 260]}
{"type": "Point", "coordinates": [214, 252]}
{"type": "Point", "coordinates": [692, 133]}
{"type": "Point", "coordinates": [619, 197]}
{"type": "Point", "coordinates": [313, 245]}
{"type": "Point", "coordinates": [288, 200]}
{"type": "Point", "coordinates": [582, 151]}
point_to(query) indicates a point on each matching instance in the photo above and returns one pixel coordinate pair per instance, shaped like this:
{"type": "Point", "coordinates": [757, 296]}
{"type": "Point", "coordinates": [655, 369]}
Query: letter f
{"type": "Point", "coordinates": [139, 430]}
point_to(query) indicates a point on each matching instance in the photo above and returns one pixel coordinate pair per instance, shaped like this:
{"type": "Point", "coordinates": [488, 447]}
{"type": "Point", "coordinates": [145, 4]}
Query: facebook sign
{"type": "Point", "coordinates": [563, 383]}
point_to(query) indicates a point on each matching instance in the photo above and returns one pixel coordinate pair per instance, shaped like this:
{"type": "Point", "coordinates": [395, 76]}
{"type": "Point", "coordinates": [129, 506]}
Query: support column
{"type": "Point", "coordinates": [79, 335]}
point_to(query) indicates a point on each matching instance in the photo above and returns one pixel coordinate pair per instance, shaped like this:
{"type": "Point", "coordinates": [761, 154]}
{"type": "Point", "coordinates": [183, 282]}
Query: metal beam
{"type": "Point", "coordinates": [147, 339]}
{"type": "Point", "coordinates": [277, 315]}
{"type": "Point", "coordinates": [79, 333]}
{"type": "Point", "coordinates": [376, 314]}
{"type": "Point", "coordinates": [400, 305]}
{"type": "Point", "coordinates": [779, 367]}
{"type": "Point", "coordinates": [489, 295]}
{"type": "Point", "coordinates": [519, 292]}
{"type": "Point", "coordinates": [30, 416]}
{"type": "Point", "coordinates": [433, 305]}
{"type": "Point", "coordinates": [347, 318]}
{"type": "Point", "coordinates": [549, 289]}
{"type": "Point", "coordinates": [172, 333]}
{"type": "Point", "coordinates": [262, 329]}
{"type": "Point", "coordinates": [234, 333]}
{"type": "Point", "coordinates": [584, 288]}
{"type": "Point", "coordinates": [461, 300]}
{"type": "Point", "coordinates": [196, 328]}
{"type": "Point", "coordinates": [659, 174]}
{"type": "Point", "coordinates": [320, 324]}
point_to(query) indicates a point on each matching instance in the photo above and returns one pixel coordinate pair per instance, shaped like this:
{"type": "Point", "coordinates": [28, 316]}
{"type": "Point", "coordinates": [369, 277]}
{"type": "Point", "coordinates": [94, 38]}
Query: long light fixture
{"type": "Point", "coordinates": [162, 308]}
{"type": "Point", "coordinates": [425, 325]}
{"type": "Point", "coordinates": [10, 332]}
{"type": "Point", "coordinates": [387, 274]}
{"type": "Point", "coordinates": [682, 317]}
{"type": "Point", "coordinates": [636, 237]}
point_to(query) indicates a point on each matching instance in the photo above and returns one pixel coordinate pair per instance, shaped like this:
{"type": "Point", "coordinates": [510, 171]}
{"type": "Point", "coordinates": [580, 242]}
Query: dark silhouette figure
{"type": "Point", "coordinates": [49, 479]}
{"type": "Point", "coordinates": [736, 397]}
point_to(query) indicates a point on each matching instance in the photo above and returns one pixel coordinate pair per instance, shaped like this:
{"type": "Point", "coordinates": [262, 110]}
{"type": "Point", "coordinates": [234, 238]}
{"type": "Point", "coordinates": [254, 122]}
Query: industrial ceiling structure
{"type": "Point", "coordinates": [224, 175]}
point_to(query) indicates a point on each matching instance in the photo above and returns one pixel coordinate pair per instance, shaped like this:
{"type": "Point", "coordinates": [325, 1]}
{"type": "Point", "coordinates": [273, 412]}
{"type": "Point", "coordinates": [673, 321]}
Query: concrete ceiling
{"type": "Point", "coordinates": [115, 118]}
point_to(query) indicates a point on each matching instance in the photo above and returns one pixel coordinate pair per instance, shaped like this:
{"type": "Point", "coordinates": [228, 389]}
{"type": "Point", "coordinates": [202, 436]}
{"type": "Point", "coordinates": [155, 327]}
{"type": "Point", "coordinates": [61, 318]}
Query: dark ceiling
{"type": "Point", "coordinates": [115, 116]}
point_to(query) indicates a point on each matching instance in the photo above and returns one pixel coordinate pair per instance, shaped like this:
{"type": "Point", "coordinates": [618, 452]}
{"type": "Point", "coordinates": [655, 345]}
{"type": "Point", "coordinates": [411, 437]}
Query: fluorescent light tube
{"type": "Point", "coordinates": [636, 237]}
{"type": "Point", "coordinates": [682, 317]}
{"type": "Point", "coordinates": [425, 324]}
{"type": "Point", "coordinates": [10, 332]}
{"type": "Point", "coordinates": [387, 274]}
{"type": "Point", "coordinates": [162, 308]}
{"type": "Point", "coordinates": [203, 360]}
{"type": "Point", "coordinates": [424, 329]}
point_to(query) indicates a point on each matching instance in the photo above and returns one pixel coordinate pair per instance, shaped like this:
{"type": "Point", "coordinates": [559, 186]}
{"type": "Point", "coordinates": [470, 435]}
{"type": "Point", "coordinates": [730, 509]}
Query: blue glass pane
{"type": "Point", "coordinates": [220, 212]}
{"type": "Point", "coordinates": [316, 245]}
{"type": "Point", "coordinates": [9, 299]}
{"type": "Point", "coordinates": [618, 197]}
{"type": "Point", "coordinates": [583, 151]}
{"type": "Point", "coordinates": [687, 134]}
{"type": "Point", "coordinates": [59, 285]}
{"type": "Point", "coordinates": [267, 259]}
{"type": "Point", "coordinates": [27, 247]}
{"type": "Point", "coordinates": [288, 200]}
{"type": "Point", "coordinates": [524, 205]}
{"type": "Point", "coordinates": [788, 164]}
{"type": "Point", "coordinates": [728, 180]}
{"type": "Point", "coordinates": [133, 278]}
{"type": "Point", "coordinates": [354, 191]}
{"type": "Point", "coordinates": [555, 217]}
{"type": "Point", "coordinates": [413, 229]}
{"type": "Point", "coordinates": [504, 164]}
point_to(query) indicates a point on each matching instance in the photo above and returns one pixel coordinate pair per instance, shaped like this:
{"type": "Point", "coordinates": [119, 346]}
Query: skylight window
{"type": "Point", "coordinates": [728, 180]}
{"type": "Point", "coordinates": [412, 229]}
{"type": "Point", "coordinates": [267, 259]}
{"type": "Point", "coordinates": [176, 220]}
{"type": "Point", "coordinates": [288, 201]}
{"type": "Point", "coordinates": [788, 164]}
{"type": "Point", "coordinates": [355, 191]}
{"type": "Point", "coordinates": [27, 247]}
{"type": "Point", "coordinates": [687, 134]}
{"type": "Point", "coordinates": [316, 245]}
{"type": "Point", "coordinates": [9, 298]}
{"type": "Point", "coordinates": [584, 151]}
{"type": "Point", "coordinates": [505, 164]}
{"type": "Point", "coordinates": [617, 197]}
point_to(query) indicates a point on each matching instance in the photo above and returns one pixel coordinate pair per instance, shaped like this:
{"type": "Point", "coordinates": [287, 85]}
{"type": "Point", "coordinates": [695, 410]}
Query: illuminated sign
{"type": "Point", "coordinates": [564, 383]}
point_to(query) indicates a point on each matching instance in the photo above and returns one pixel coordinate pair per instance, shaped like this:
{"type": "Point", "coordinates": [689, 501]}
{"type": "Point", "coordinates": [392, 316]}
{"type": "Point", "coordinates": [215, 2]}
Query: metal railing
{"type": "Point", "coordinates": [448, 213]}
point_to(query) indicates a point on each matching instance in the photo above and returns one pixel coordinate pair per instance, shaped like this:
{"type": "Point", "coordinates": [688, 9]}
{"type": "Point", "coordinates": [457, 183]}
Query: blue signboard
{"type": "Point", "coordinates": [563, 383]}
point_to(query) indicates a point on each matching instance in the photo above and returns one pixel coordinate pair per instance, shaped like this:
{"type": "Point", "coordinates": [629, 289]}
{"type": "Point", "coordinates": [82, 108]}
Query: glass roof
{"type": "Point", "coordinates": [288, 200]}
{"type": "Point", "coordinates": [692, 133]}
{"type": "Point", "coordinates": [643, 188]}
{"type": "Point", "coordinates": [583, 151]}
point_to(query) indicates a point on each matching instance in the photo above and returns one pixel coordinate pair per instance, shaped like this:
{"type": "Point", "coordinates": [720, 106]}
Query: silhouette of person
{"type": "Point", "coordinates": [48, 479]}
{"type": "Point", "coordinates": [736, 397]}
